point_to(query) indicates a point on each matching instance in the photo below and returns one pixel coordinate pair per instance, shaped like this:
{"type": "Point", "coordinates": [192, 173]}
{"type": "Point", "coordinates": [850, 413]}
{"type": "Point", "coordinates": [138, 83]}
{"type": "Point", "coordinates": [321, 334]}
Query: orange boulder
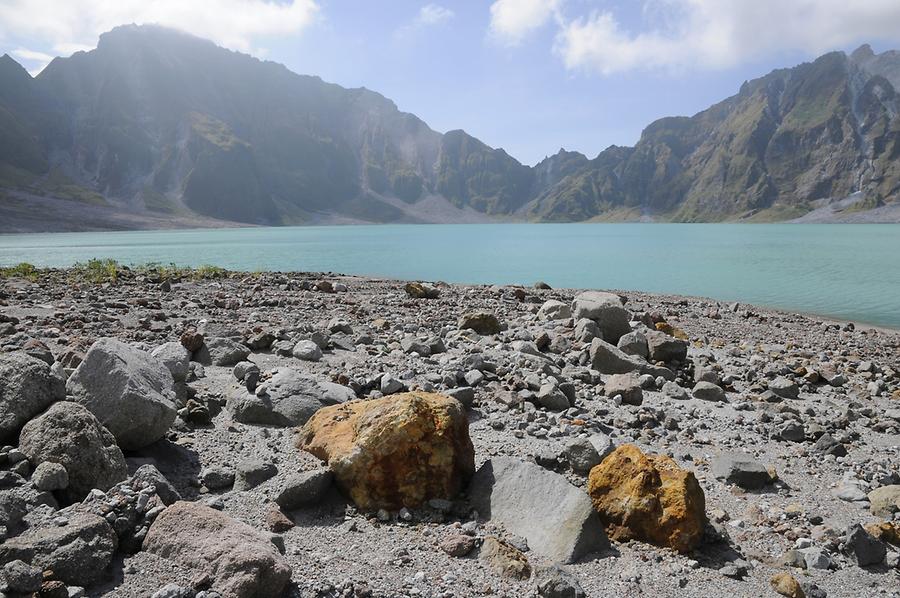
{"type": "Point", "coordinates": [398, 451]}
{"type": "Point", "coordinates": [648, 498]}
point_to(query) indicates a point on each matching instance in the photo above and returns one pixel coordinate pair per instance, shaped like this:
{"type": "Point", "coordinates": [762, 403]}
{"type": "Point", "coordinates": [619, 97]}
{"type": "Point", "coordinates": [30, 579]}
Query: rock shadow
{"type": "Point", "coordinates": [178, 463]}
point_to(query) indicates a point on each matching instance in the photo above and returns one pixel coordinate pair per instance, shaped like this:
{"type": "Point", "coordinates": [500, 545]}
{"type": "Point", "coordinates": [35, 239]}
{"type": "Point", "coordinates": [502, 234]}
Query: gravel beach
{"type": "Point", "coordinates": [766, 459]}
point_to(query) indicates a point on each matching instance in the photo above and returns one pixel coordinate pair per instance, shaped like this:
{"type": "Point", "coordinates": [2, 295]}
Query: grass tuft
{"type": "Point", "coordinates": [175, 273]}
{"type": "Point", "coordinates": [22, 270]}
{"type": "Point", "coordinates": [98, 271]}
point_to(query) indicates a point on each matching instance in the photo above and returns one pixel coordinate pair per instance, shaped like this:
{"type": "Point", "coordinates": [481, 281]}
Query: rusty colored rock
{"type": "Point", "coordinates": [505, 559]}
{"type": "Point", "coordinates": [482, 322]}
{"type": "Point", "coordinates": [648, 498]}
{"type": "Point", "coordinates": [886, 531]}
{"type": "Point", "coordinates": [277, 521]}
{"type": "Point", "coordinates": [191, 339]}
{"type": "Point", "coordinates": [399, 451]}
{"type": "Point", "coordinates": [786, 585]}
{"type": "Point", "coordinates": [420, 290]}
{"type": "Point", "coordinates": [458, 545]}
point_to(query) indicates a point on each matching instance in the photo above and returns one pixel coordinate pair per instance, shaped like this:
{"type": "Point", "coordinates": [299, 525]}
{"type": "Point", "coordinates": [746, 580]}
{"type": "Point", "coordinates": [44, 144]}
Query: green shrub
{"type": "Point", "coordinates": [97, 271]}
{"type": "Point", "coordinates": [22, 270]}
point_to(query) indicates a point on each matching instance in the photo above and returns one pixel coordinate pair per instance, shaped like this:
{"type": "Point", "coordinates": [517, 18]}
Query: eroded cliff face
{"type": "Point", "coordinates": [157, 121]}
{"type": "Point", "coordinates": [822, 130]}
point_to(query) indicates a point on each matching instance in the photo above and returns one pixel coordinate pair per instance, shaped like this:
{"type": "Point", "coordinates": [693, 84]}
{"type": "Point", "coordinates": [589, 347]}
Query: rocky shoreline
{"type": "Point", "coordinates": [205, 434]}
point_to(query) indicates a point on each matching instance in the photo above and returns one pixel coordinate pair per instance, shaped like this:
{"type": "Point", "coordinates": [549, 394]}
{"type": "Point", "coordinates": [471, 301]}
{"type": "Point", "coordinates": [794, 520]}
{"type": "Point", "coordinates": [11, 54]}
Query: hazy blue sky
{"type": "Point", "coordinates": [530, 76]}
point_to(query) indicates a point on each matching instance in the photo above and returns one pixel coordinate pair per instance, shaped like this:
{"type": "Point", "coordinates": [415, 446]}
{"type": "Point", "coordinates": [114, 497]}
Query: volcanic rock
{"type": "Point", "coordinates": [648, 498]}
{"type": "Point", "coordinates": [399, 451]}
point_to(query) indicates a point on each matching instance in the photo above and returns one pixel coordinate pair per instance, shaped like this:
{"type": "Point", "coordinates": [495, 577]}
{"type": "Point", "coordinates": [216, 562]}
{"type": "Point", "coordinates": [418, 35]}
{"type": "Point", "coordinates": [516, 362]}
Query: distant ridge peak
{"type": "Point", "coordinates": [133, 31]}
{"type": "Point", "coordinates": [8, 64]}
{"type": "Point", "coordinates": [863, 52]}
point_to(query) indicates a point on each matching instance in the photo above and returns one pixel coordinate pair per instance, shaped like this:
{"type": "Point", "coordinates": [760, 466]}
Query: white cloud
{"type": "Point", "coordinates": [714, 34]}
{"type": "Point", "coordinates": [429, 15]}
{"type": "Point", "coordinates": [66, 26]}
{"type": "Point", "coordinates": [434, 14]}
{"type": "Point", "coordinates": [513, 20]}
{"type": "Point", "coordinates": [39, 59]}
{"type": "Point", "coordinates": [32, 55]}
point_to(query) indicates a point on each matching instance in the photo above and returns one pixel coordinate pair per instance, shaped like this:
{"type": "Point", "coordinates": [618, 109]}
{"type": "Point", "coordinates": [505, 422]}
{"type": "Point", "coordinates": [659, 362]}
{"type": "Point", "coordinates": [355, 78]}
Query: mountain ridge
{"type": "Point", "coordinates": [162, 122]}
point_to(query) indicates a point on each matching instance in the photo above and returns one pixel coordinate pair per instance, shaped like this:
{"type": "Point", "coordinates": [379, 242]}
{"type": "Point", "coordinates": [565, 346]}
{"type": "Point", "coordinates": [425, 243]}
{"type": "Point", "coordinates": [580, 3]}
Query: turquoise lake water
{"type": "Point", "coordinates": [842, 271]}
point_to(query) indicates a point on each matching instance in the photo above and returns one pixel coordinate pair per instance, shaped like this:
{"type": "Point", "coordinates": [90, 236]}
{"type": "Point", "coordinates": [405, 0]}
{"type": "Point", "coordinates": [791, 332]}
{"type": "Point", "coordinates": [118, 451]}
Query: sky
{"type": "Point", "coordinates": [530, 76]}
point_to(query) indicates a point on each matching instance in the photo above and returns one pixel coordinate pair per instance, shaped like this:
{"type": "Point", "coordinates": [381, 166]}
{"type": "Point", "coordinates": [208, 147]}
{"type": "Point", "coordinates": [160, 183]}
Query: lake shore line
{"type": "Point", "coordinates": [836, 271]}
{"type": "Point", "coordinates": [801, 413]}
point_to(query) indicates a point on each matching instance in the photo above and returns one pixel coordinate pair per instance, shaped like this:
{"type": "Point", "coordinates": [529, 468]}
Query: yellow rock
{"type": "Point", "coordinates": [648, 498]}
{"type": "Point", "coordinates": [786, 585]}
{"type": "Point", "coordinates": [399, 451]}
{"type": "Point", "coordinates": [672, 330]}
{"type": "Point", "coordinates": [505, 559]}
{"type": "Point", "coordinates": [418, 290]}
{"type": "Point", "coordinates": [886, 531]}
{"type": "Point", "coordinates": [665, 327]}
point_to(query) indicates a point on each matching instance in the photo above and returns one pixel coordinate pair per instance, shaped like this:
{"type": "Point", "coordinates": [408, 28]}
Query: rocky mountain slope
{"type": "Point", "coordinates": [823, 130]}
{"type": "Point", "coordinates": [158, 122]}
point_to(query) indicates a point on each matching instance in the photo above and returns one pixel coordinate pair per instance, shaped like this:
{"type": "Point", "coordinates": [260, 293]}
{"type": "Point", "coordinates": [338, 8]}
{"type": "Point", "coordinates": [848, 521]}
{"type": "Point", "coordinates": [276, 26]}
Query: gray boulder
{"type": "Point", "coordinates": [583, 454]}
{"type": "Point", "coordinates": [50, 476]}
{"type": "Point", "coordinates": [816, 558]}
{"type": "Point", "coordinates": [242, 368]}
{"type": "Point", "coordinates": [151, 476]}
{"type": "Point", "coordinates": [253, 472]}
{"type": "Point", "coordinates": [587, 330]}
{"type": "Point", "coordinates": [607, 359]}
{"type": "Point", "coordinates": [241, 561]}
{"type": "Point", "coordinates": [176, 358]}
{"type": "Point", "coordinates": [626, 385]}
{"type": "Point", "coordinates": [606, 310]}
{"type": "Point", "coordinates": [222, 351]}
{"type": "Point", "coordinates": [463, 394]}
{"type": "Point", "coordinates": [707, 391]}
{"type": "Point", "coordinates": [128, 390]}
{"type": "Point", "coordinates": [412, 344]}
{"type": "Point", "coordinates": [551, 397]}
{"type": "Point", "coordinates": [173, 590]}
{"type": "Point", "coordinates": [17, 499]}
{"type": "Point", "coordinates": [307, 350]}
{"type": "Point", "coordinates": [742, 470]}
{"type": "Point", "coordinates": [791, 431]}
{"type": "Point", "coordinates": [634, 343]}
{"type": "Point", "coordinates": [829, 445]}
{"type": "Point", "coordinates": [70, 435]}
{"type": "Point", "coordinates": [288, 398]}
{"type": "Point", "coordinates": [556, 582]}
{"type": "Point", "coordinates": [27, 387]}
{"type": "Point", "coordinates": [304, 488]}
{"type": "Point", "coordinates": [217, 478]}
{"type": "Point", "coordinates": [554, 310]}
{"type": "Point", "coordinates": [22, 577]}
{"type": "Point", "coordinates": [665, 348]}
{"type": "Point", "coordinates": [674, 391]}
{"type": "Point", "coordinates": [556, 518]}
{"type": "Point", "coordinates": [77, 552]}
{"type": "Point", "coordinates": [867, 549]}
{"type": "Point", "coordinates": [390, 385]}
{"type": "Point", "coordinates": [784, 388]}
